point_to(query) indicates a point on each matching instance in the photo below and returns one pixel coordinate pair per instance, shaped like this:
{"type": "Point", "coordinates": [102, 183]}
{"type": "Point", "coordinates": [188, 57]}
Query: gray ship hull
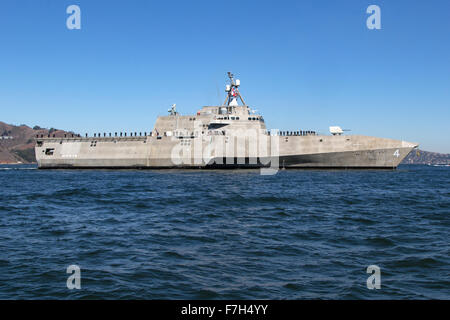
{"type": "Point", "coordinates": [152, 153]}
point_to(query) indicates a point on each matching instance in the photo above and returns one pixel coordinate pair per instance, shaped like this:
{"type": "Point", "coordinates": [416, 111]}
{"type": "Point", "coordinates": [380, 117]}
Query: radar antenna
{"type": "Point", "coordinates": [173, 110]}
{"type": "Point", "coordinates": [233, 93]}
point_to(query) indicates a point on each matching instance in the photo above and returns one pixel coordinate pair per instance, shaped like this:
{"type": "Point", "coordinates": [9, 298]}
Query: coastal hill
{"type": "Point", "coordinates": [17, 146]}
{"type": "Point", "coordinates": [426, 157]}
{"type": "Point", "coordinates": [17, 142]}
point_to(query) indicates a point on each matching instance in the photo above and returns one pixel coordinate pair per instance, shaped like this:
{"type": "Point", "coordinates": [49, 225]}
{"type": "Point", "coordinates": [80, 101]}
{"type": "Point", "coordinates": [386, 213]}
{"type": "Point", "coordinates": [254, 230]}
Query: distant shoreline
{"type": "Point", "coordinates": [17, 163]}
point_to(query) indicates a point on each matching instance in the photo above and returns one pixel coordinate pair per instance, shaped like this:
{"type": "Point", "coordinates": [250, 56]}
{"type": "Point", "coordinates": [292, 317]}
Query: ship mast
{"type": "Point", "coordinates": [233, 93]}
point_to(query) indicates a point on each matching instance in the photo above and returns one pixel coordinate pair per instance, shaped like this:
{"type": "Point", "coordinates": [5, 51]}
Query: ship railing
{"type": "Point", "coordinates": [116, 135]}
{"type": "Point", "coordinates": [292, 133]}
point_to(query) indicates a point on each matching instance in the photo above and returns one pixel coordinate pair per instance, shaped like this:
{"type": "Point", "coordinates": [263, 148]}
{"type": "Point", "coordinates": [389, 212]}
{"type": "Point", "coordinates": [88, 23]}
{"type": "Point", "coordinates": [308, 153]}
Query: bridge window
{"type": "Point", "coordinates": [49, 151]}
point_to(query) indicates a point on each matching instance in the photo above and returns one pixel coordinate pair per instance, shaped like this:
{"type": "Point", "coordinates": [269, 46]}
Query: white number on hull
{"type": "Point", "coordinates": [397, 153]}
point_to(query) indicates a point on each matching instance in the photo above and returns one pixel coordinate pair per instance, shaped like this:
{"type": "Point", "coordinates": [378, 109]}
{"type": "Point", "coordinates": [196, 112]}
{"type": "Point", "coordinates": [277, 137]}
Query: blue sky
{"type": "Point", "coordinates": [303, 64]}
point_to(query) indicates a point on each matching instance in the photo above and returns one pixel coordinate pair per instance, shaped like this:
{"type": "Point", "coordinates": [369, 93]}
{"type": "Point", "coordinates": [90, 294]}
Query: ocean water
{"type": "Point", "coordinates": [224, 234]}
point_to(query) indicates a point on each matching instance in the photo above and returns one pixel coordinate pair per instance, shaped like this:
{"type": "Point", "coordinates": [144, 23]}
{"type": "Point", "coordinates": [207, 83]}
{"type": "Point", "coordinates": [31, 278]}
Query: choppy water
{"type": "Point", "coordinates": [224, 234]}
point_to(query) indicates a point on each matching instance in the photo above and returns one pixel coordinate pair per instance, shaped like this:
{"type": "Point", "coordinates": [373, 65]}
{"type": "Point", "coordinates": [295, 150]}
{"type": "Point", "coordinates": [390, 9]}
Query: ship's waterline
{"type": "Point", "coordinates": [227, 136]}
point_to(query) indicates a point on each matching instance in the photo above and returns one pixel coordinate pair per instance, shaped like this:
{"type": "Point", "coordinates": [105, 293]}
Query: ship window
{"type": "Point", "coordinates": [232, 118]}
{"type": "Point", "coordinates": [49, 151]}
{"type": "Point", "coordinates": [237, 118]}
{"type": "Point", "coordinates": [39, 143]}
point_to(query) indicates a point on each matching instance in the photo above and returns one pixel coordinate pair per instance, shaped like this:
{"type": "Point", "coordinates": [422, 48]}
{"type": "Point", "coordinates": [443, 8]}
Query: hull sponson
{"type": "Point", "coordinates": [380, 158]}
{"type": "Point", "coordinates": [364, 159]}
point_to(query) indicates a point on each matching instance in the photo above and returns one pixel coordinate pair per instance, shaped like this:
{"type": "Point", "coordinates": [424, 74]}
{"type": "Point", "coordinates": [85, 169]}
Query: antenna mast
{"type": "Point", "coordinates": [233, 92]}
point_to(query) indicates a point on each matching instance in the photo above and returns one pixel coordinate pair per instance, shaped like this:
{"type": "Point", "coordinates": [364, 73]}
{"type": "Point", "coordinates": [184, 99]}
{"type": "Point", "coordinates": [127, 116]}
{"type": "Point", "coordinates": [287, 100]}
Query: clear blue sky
{"type": "Point", "coordinates": [302, 64]}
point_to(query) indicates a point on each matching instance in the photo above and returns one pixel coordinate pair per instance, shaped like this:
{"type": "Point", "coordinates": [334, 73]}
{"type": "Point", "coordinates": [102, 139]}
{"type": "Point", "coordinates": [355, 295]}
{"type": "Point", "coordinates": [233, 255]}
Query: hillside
{"type": "Point", "coordinates": [17, 142]}
{"type": "Point", "coordinates": [426, 157]}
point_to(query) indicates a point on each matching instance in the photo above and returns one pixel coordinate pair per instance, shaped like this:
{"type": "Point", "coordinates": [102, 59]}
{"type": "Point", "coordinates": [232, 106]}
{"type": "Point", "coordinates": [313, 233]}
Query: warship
{"type": "Point", "coordinates": [231, 135]}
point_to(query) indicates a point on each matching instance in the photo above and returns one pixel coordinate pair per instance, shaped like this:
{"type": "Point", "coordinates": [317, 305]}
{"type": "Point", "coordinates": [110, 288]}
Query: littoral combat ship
{"type": "Point", "coordinates": [228, 136]}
